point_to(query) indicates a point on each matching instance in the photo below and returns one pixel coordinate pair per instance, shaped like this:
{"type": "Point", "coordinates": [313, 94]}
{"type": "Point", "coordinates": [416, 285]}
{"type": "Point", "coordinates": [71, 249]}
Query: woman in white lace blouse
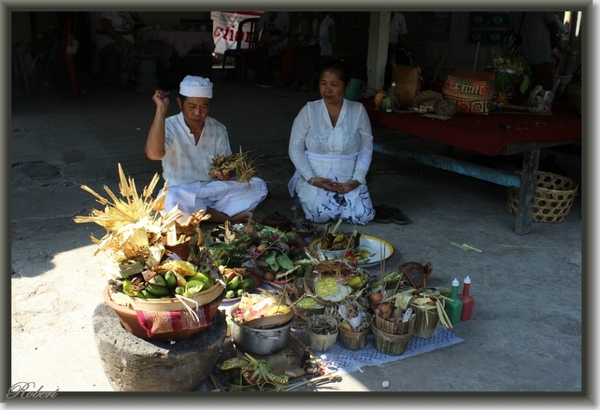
{"type": "Point", "coordinates": [331, 146]}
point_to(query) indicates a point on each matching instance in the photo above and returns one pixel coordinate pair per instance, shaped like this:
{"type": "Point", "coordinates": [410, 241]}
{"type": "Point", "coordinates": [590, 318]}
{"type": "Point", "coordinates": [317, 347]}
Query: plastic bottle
{"type": "Point", "coordinates": [467, 300]}
{"type": "Point", "coordinates": [454, 305]}
{"type": "Point", "coordinates": [393, 96]}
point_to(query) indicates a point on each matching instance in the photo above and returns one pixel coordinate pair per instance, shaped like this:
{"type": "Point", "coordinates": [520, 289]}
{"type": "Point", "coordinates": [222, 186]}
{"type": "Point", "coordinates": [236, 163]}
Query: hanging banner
{"type": "Point", "coordinates": [225, 26]}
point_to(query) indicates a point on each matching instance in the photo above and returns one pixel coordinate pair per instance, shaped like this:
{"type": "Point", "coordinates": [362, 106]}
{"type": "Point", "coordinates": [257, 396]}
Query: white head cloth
{"type": "Point", "coordinates": [192, 86]}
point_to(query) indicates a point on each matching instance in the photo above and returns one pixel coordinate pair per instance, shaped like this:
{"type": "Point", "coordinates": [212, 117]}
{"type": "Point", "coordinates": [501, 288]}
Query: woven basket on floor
{"type": "Point", "coordinates": [395, 326]}
{"type": "Point", "coordinates": [393, 345]}
{"type": "Point", "coordinates": [320, 342]}
{"type": "Point", "coordinates": [426, 323]}
{"type": "Point", "coordinates": [553, 198]}
{"type": "Point", "coordinates": [353, 340]}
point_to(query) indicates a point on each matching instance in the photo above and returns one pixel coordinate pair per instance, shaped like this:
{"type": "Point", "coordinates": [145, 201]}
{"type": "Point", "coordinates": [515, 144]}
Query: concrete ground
{"type": "Point", "coordinates": [526, 333]}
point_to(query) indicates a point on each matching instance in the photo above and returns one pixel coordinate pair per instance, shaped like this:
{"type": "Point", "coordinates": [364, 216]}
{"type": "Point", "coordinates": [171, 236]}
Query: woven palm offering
{"type": "Point", "coordinates": [428, 304]}
{"type": "Point", "coordinates": [238, 164]}
{"type": "Point", "coordinates": [143, 276]}
{"type": "Point", "coordinates": [354, 322]}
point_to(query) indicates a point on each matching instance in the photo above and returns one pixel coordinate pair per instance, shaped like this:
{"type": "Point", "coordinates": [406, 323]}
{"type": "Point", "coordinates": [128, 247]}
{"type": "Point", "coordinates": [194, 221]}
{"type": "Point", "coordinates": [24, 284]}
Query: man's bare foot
{"type": "Point", "coordinates": [242, 217]}
{"type": "Point", "coordinates": [220, 217]}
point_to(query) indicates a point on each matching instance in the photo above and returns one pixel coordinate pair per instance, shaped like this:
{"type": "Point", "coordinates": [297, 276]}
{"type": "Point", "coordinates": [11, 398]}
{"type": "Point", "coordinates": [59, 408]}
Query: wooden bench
{"type": "Point", "coordinates": [493, 134]}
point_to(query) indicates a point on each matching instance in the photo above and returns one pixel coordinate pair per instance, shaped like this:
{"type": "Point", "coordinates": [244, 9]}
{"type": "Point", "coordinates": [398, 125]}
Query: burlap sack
{"type": "Point", "coordinates": [408, 84]}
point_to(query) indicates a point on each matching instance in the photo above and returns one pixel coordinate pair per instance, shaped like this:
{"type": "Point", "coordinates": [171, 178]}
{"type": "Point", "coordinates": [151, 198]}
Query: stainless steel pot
{"type": "Point", "coordinates": [260, 341]}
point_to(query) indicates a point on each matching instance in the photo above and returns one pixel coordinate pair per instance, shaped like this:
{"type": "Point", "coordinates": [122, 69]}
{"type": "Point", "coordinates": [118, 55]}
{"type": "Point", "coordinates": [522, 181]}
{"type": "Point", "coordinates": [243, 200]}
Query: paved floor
{"type": "Point", "coordinates": [526, 333]}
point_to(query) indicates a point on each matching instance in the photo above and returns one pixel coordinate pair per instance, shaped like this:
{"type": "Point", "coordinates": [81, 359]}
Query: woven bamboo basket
{"type": "Point", "coordinates": [353, 340]}
{"type": "Point", "coordinates": [320, 342]}
{"type": "Point", "coordinates": [553, 198]}
{"type": "Point", "coordinates": [393, 345]}
{"type": "Point", "coordinates": [426, 323]}
{"type": "Point", "coordinates": [167, 304]}
{"type": "Point", "coordinates": [395, 327]}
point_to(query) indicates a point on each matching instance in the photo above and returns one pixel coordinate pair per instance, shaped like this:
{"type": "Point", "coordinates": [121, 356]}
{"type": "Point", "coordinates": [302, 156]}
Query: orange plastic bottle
{"type": "Point", "coordinates": [467, 300]}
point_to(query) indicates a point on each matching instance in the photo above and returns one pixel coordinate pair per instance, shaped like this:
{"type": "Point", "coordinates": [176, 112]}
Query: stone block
{"type": "Point", "coordinates": [134, 364]}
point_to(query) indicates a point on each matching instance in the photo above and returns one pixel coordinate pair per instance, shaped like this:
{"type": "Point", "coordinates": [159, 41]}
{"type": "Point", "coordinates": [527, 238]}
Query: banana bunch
{"type": "Point", "coordinates": [170, 278]}
{"type": "Point", "coordinates": [238, 285]}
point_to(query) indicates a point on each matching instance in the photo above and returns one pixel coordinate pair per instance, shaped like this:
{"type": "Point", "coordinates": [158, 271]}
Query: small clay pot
{"type": "Point", "coordinates": [303, 229]}
{"type": "Point", "coordinates": [277, 221]}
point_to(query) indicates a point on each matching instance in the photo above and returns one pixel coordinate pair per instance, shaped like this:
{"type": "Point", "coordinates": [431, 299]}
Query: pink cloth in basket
{"type": "Point", "coordinates": [164, 322]}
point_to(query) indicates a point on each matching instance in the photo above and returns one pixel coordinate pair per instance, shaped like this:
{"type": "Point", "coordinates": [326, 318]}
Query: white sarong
{"type": "Point", "coordinates": [321, 205]}
{"type": "Point", "coordinates": [229, 197]}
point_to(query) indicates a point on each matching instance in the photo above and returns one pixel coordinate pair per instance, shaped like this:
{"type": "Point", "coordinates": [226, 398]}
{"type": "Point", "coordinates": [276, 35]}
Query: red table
{"type": "Point", "coordinates": [492, 134]}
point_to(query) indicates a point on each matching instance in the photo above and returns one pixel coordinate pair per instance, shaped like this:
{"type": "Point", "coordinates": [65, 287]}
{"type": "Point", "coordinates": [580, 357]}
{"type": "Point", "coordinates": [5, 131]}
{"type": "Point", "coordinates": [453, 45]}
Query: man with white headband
{"type": "Point", "coordinates": [186, 143]}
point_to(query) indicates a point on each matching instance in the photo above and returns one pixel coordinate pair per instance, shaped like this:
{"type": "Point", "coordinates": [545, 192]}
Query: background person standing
{"type": "Point", "coordinates": [397, 53]}
{"type": "Point", "coordinates": [320, 48]}
{"type": "Point", "coordinates": [114, 39]}
{"type": "Point", "coordinates": [538, 31]}
{"type": "Point", "coordinates": [272, 35]}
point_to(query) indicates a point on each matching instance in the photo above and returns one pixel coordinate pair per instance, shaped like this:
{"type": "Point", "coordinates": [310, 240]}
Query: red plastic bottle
{"type": "Point", "coordinates": [467, 300]}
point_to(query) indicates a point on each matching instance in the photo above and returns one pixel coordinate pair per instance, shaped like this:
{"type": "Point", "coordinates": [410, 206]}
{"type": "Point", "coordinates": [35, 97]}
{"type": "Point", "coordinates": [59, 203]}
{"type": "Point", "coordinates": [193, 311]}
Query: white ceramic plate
{"type": "Point", "coordinates": [379, 248]}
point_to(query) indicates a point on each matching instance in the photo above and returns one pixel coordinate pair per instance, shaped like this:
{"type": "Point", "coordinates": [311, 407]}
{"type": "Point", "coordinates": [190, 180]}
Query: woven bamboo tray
{"type": "Point", "coordinates": [166, 304]}
{"type": "Point", "coordinates": [553, 198]}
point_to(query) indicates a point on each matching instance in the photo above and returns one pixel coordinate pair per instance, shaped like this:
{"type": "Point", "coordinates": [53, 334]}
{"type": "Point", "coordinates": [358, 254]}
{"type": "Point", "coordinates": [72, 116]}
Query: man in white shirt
{"type": "Point", "coordinates": [186, 144]}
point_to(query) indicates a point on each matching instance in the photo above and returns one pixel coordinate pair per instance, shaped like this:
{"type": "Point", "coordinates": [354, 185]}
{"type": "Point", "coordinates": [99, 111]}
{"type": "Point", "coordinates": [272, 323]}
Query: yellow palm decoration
{"type": "Point", "coordinates": [133, 223]}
